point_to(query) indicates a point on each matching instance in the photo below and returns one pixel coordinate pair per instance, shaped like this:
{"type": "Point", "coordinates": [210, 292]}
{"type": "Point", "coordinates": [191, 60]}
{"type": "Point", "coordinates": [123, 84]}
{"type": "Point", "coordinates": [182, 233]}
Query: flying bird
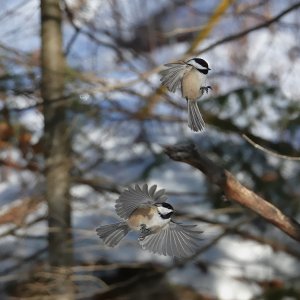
{"type": "Point", "coordinates": [190, 77]}
{"type": "Point", "coordinates": [144, 209]}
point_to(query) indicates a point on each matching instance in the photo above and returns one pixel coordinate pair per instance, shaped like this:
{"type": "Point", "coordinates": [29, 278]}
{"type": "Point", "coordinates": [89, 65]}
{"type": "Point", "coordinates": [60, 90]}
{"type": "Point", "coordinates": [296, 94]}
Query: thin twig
{"type": "Point", "coordinates": [249, 30]}
{"type": "Point", "coordinates": [255, 145]}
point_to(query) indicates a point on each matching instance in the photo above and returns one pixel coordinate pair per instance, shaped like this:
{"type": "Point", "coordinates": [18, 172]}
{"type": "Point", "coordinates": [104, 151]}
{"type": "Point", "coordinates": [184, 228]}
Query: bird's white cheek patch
{"type": "Point", "coordinates": [164, 210]}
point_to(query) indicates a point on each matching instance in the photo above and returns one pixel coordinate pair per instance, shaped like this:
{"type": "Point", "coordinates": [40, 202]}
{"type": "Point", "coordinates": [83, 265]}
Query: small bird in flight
{"type": "Point", "coordinates": [190, 77]}
{"type": "Point", "coordinates": [145, 210]}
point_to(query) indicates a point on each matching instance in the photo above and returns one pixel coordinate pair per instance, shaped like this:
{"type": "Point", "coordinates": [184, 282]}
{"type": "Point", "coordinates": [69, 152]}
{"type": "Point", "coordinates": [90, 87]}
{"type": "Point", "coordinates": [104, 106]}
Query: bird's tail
{"type": "Point", "coordinates": [112, 234]}
{"type": "Point", "coordinates": [195, 121]}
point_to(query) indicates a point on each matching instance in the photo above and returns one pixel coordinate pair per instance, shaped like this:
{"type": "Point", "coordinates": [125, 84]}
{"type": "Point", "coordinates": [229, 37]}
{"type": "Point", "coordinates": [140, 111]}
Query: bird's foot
{"type": "Point", "coordinates": [144, 231]}
{"type": "Point", "coordinates": [205, 89]}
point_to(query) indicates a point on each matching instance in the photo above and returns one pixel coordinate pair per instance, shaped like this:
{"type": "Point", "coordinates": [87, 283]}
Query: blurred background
{"type": "Point", "coordinates": [92, 119]}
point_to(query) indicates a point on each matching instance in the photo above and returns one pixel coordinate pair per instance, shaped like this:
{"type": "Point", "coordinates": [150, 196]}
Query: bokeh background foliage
{"type": "Point", "coordinates": [102, 120]}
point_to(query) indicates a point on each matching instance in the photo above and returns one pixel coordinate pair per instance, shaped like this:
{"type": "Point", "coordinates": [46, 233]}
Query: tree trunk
{"type": "Point", "coordinates": [56, 135]}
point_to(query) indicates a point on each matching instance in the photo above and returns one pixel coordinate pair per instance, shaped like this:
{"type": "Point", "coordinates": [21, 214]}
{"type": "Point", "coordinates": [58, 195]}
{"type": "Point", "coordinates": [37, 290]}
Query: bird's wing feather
{"type": "Point", "coordinates": [171, 76]}
{"type": "Point", "coordinates": [175, 240]}
{"type": "Point", "coordinates": [132, 198]}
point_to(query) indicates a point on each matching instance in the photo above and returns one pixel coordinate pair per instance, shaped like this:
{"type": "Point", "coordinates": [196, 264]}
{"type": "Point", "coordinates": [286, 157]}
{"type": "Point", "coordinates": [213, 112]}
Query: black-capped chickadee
{"type": "Point", "coordinates": [145, 210]}
{"type": "Point", "coordinates": [190, 76]}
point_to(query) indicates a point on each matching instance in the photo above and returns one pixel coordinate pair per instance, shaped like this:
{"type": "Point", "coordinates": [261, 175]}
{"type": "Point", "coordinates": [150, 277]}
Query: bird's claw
{"type": "Point", "coordinates": [144, 231]}
{"type": "Point", "coordinates": [205, 89]}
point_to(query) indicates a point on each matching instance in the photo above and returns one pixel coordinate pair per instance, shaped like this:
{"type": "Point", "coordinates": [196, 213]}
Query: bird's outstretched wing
{"type": "Point", "coordinates": [175, 240]}
{"type": "Point", "coordinates": [132, 198]}
{"type": "Point", "coordinates": [171, 76]}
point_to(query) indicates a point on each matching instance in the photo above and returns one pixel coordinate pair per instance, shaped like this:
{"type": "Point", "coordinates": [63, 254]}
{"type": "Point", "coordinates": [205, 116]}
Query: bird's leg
{"type": "Point", "coordinates": [205, 89]}
{"type": "Point", "coordinates": [144, 231]}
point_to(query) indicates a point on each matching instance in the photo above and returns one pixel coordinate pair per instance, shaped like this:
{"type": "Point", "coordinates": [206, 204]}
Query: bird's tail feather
{"type": "Point", "coordinates": [113, 233]}
{"type": "Point", "coordinates": [195, 121]}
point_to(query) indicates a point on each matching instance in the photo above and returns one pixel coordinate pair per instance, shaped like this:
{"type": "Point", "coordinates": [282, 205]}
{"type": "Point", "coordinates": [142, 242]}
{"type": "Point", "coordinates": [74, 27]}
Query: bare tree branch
{"type": "Point", "coordinates": [19, 210]}
{"type": "Point", "coordinates": [268, 151]}
{"type": "Point", "coordinates": [249, 30]}
{"type": "Point", "coordinates": [208, 27]}
{"type": "Point", "coordinates": [233, 189]}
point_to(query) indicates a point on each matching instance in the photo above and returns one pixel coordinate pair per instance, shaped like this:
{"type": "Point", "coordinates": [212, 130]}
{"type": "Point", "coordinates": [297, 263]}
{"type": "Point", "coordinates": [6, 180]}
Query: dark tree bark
{"type": "Point", "coordinates": [57, 135]}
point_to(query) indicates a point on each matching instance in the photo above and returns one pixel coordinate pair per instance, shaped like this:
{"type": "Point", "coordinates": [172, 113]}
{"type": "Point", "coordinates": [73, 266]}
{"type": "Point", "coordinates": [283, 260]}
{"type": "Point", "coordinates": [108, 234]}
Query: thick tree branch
{"type": "Point", "coordinates": [233, 189]}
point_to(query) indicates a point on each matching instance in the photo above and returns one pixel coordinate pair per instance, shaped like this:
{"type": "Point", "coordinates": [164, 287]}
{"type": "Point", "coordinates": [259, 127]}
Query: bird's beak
{"type": "Point", "coordinates": [208, 68]}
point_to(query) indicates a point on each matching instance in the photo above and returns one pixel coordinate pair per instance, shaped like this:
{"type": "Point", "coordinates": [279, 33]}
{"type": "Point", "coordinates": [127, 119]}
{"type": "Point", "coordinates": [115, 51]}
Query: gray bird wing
{"type": "Point", "coordinates": [171, 76]}
{"type": "Point", "coordinates": [175, 240]}
{"type": "Point", "coordinates": [134, 197]}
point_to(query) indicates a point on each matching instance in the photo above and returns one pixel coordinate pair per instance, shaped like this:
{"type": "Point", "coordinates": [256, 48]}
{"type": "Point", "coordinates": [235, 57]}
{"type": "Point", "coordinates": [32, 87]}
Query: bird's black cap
{"type": "Point", "coordinates": [202, 62]}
